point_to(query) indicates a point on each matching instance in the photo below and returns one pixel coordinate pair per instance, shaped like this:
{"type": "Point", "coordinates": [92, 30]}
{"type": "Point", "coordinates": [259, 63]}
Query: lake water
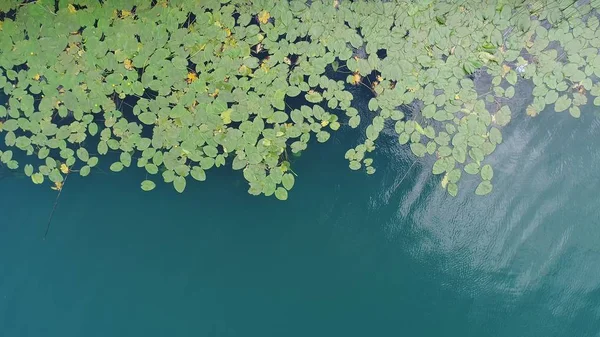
{"type": "Point", "coordinates": [347, 255]}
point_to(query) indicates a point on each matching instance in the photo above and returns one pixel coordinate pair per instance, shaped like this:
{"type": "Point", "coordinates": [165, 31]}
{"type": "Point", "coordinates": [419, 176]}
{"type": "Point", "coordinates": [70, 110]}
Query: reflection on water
{"type": "Point", "coordinates": [536, 235]}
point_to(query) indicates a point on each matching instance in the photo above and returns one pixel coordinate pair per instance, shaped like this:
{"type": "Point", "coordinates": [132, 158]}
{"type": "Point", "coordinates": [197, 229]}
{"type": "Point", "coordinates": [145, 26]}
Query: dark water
{"type": "Point", "coordinates": [347, 255]}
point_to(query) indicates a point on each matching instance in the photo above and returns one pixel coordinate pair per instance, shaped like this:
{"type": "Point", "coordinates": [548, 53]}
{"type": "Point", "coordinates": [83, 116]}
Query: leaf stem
{"type": "Point", "coordinates": [54, 207]}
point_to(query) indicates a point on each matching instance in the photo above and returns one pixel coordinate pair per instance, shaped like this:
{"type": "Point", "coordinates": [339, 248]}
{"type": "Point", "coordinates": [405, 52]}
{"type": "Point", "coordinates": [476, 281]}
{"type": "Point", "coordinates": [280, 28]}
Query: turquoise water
{"type": "Point", "coordinates": [347, 255]}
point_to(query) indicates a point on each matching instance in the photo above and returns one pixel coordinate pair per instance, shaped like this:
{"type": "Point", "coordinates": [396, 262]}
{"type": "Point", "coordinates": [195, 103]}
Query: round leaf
{"type": "Point", "coordinates": [484, 188]}
{"type": "Point", "coordinates": [37, 178]}
{"type": "Point", "coordinates": [179, 184]}
{"type": "Point", "coordinates": [288, 181]}
{"type": "Point", "coordinates": [281, 193]}
{"type": "Point", "coordinates": [148, 185]}
{"type": "Point", "coordinates": [487, 173]}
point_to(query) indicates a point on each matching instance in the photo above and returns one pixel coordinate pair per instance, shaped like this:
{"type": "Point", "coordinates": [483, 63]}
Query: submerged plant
{"type": "Point", "coordinates": [178, 87]}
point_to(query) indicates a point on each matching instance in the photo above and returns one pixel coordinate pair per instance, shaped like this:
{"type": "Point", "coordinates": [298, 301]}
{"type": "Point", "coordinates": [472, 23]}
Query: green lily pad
{"type": "Point", "coordinates": [562, 103]}
{"type": "Point", "coordinates": [83, 154]}
{"type": "Point", "coordinates": [198, 173]}
{"type": "Point", "coordinates": [288, 181]}
{"type": "Point", "coordinates": [281, 193]}
{"type": "Point", "coordinates": [37, 178]}
{"type": "Point", "coordinates": [484, 187]}
{"type": "Point", "coordinates": [148, 185]}
{"type": "Point", "coordinates": [575, 112]}
{"type": "Point", "coordinates": [418, 149]}
{"type": "Point", "coordinates": [179, 184]}
{"type": "Point", "coordinates": [85, 171]}
{"type": "Point", "coordinates": [439, 166]}
{"type": "Point", "coordinates": [472, 168]}
{"type": "Point", "coordinates": [116, 167]}
{"type": "Point", "coordinates": [452, 189]}
{"type": "Point", "coordinates": [487, 173]}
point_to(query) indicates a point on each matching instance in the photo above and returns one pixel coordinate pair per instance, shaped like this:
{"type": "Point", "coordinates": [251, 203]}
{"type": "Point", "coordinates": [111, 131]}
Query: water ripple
{"type": "Point", "coordinates": [529, 237]}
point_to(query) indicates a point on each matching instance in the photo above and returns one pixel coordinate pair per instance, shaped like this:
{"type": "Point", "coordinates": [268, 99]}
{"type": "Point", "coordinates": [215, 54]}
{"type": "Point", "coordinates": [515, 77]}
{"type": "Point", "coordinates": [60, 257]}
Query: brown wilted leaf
{"type": "Point", "coordinates": [128, 64]}
{"type": "Point", "coordinates": [505, 70]}
{"type": "Point", "coordinates": [263, 17]}
{"type": "Point", "coordinates": [532, 111]}
{"type": "Point", "coordinates": [57, 186]}
{"type": "Point", "coordinates": [191, 77]}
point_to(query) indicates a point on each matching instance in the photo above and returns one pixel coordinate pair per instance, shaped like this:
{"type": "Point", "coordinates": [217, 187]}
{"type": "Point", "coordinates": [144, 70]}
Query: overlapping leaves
{"type": "Point", "coordinates": [180, 87]}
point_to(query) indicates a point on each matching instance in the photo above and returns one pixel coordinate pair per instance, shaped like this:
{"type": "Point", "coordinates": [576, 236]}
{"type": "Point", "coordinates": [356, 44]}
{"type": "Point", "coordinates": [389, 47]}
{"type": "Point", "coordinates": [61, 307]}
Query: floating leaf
{"type": "Point", "coordinates": [28, 170]}
{"type": "Point", "coordinates": [454, 175]}
{"type": "Point", "coordinates": [323, 136]}
{"type": "Point", "coordinates": [562, 103]}
{"type": "Point", "coordinates": [484, 188]}
{"type": "Point", "coordinates": [439, 166]}
{"type": "Point", "coordinates": [37, 178]}
{"type": "Point", "coordinates": [452, 189]}
{"type": "Point", "coordinates": [403, 138]}
{"type": "Point", "coordinates": [125, 159]}
{"type": "Point", "coordinates": [459, 154]}
{"type": "Point", "coordinates": [147, 118]}
{"type": "Point", "coordinates": [128, 64]}
{"type": "Point", "coordinates": [418, 149]}
{"type": "Point", "coordinates": [281, 193]}
{"type": "Point", "coordinates": [532, 111]}
{"type": "Point", "coordinates": [263, 17]}
{"type": "Point", "coordinates": [102, 148]}
{"type": "Point", "coordinates": [355, 121]}
{"type": "Point", "coordinates": [503, 116]}
{"type": "Point", "coordinates": [373, 106]}
{"type": "Point", "coordinates": [83, 154]}
{"type": "Point", "coordinates": [198, 173]}
{"type": "Point", "coordinates": [288, 181]}
{"type": "Point", "coordinates": [509, 92]}
{"type": "Point", "coordinates": [148, 185]}
{"type": "Point", "coordinates": [487, 173]}
{"type": "Point", "coordinates": [93, 161]}
{"type": "Point", "coordinates": [6, 156]}
{"type": "Point", "coordinates": [575, 112]}
{"type": "Point", "coordinates": [182, 95]}
{"type": "Point", "coordinates": [313, 97]}
{"type": "Point", "coordinates": [85, 171]}
{"type": "Point", "coordinates": [472, 168]}
{"type": "Point", "coordinates": [116, 167]}
{"type": "Point", "coordinates": [495, 136]}
{"type": "Point", "coordinates": [179, 184]}
{"type": "Point", "coordinates": [511, 77]}
{"type": "Point", "coordinates": [355, 165]}
{"type": "Point", "coordinates": [551, 97]}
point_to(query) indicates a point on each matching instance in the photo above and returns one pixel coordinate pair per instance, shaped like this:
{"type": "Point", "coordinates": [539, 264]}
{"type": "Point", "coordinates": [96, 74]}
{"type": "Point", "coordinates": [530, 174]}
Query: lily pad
{"type": "Point", "coordinates": [148, 185]}
{"type": "Point", "coordinates": [179, 183]}
{"type": "Point", "coordinates": [281, 193]}
{"type": "Point", "coordinates": [484, 187]}
{"type": "Point", "coordinates": [472, 168]}
{"type": "Point", "coordinates": [487, 173]}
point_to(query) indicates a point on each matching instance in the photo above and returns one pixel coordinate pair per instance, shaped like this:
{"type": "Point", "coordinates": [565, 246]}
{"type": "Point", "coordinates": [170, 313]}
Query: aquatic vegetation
{"type": "Point", "coordinates": [178, 87]}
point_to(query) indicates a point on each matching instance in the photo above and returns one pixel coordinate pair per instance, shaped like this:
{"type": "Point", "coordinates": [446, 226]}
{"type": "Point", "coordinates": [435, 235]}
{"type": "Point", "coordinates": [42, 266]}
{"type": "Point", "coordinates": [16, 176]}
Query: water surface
{"type": "Point", "coordinates": [347, 255]}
